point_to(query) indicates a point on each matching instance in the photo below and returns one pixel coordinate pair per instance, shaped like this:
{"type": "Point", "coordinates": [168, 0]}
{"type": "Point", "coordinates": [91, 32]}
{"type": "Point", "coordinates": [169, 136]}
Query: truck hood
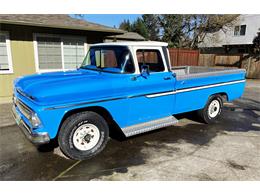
{"type": "Point", "coordinates": [71, 86]}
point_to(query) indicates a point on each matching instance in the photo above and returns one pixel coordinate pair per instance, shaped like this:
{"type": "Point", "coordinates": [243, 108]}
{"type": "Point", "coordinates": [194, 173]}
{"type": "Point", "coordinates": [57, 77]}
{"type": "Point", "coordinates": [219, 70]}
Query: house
{"type": "Point", "coordinates": [235, 38]}
{"type": "Point", "coordinates": [127, 36]}
{"type": "Point", "coordinates": [232, 46]}
{"type": "Point", "coordinates": [42, 43]}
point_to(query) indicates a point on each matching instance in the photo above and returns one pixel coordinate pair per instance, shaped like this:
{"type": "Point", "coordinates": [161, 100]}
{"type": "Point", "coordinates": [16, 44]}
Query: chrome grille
{"type": "Point", "coordinates": [25, 110]}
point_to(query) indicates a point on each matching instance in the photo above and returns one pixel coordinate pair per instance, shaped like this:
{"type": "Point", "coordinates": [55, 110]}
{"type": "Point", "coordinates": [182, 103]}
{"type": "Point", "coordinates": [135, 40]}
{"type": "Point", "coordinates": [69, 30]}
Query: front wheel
{"type": "Point", "coordinates": [212, 110]}
{"type": "Point", "coordinates": [83, 135]}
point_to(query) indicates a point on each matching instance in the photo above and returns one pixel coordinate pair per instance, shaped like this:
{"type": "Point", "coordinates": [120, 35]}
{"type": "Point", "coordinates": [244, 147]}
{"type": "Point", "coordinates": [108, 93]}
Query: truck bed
{"type": "Point", "coordinates": [194, 85]}
{"type": "Point", "coordinates": [188, 72]}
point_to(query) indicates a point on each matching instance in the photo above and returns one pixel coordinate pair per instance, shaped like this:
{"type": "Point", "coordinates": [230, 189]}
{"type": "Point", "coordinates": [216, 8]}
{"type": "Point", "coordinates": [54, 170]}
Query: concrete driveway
{"type": "Point", "coordinates": [227, 150]}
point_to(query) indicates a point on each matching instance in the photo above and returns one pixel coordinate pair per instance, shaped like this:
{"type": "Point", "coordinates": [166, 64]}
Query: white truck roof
{"type": "Point", "coordinates": [134, 43]}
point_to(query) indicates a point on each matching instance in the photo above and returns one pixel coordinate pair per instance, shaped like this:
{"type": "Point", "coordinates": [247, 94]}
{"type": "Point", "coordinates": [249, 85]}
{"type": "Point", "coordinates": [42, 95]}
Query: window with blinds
{"type": "Point", "coordinates": [5, 57]}
{"type": "Point", "coordinates": [49, 53]}
{"type": "Point", "coordinates": [73, 50]}
{"type": "Point", "coordinates": [60, 53]}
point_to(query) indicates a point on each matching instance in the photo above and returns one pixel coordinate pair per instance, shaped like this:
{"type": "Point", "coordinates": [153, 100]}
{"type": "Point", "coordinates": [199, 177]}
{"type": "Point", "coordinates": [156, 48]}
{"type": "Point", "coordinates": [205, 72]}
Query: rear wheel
{"type": "Point", "coordinates": [212, 110]}
{"type": "Point", "coordinates": [83, 135]}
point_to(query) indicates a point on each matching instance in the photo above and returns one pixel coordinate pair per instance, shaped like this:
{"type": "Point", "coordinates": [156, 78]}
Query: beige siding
{"type": "Point", "coordinates": [23, 64]}
{"type": "Point", "coordinates": [22, 51]}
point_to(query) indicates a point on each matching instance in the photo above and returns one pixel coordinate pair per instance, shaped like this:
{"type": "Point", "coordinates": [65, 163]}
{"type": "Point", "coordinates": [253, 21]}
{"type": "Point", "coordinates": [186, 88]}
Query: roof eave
{"type": "Point", "coordinates": [115, 31]}
{"type": "Point", "coordinates": [132, 39]}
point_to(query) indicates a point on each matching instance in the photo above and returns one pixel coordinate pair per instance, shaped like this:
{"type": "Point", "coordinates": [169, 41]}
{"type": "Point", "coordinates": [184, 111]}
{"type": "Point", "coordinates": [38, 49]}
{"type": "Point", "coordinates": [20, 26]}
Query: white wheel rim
{"type": "Point", "coordinates": [86, 137]}
{"type": "Point", "coordinates": [214, 108]}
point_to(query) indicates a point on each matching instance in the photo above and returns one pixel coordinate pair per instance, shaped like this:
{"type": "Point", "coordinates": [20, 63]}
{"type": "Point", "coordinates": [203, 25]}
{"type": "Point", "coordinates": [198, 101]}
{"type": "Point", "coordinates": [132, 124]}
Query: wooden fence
{"type": "Point", "coordinates": [180, 57]}
{"type": "Point", "coordinates": [250, 63]}
{"type": "Point", "coordinates": [225, 60]}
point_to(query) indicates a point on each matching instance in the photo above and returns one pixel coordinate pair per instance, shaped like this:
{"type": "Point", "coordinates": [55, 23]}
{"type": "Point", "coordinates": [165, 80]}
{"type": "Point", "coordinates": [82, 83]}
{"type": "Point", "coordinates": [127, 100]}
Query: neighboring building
{"type": "Point", "coordinates": [233, 46]}
{"type": "Point", "coordinates": [234, 39]}
{"type": "Point", "coordinates": [128, 36]}
{"type": "Point", "coordinates": [41, 43]}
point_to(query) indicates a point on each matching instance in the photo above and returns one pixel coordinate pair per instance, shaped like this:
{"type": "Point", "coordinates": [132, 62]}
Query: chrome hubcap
{"type": "Point", "coordinates": [214, 108]}
{"type": "Point", "coordinates": [86, 137]}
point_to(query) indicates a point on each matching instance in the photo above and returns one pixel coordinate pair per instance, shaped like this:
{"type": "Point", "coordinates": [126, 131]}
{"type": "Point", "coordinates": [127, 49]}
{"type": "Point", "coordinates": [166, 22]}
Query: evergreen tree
{"type": "Point", "coordinates": [151, 23]}
{"type": "Point", "coordinates": [126, 25]}
{"type": "Point", "coordinates": [139, 27]}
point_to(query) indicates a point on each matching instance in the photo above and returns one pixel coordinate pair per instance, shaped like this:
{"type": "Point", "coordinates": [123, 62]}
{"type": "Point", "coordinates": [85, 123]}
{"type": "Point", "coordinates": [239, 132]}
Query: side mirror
{"type": "Point", "coordinates": [145, 71]}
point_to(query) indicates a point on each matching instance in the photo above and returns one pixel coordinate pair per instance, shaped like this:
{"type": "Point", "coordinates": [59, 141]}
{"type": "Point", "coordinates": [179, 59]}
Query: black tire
{"type": "Point", "coordinates": [204, 113]}
{"type": "Point", "coordinates": [71, 124]}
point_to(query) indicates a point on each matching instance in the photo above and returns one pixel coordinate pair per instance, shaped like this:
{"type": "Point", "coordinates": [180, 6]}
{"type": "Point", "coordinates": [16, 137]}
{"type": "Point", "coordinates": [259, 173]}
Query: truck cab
{"type": "Point", "coordinates": [128, 85]}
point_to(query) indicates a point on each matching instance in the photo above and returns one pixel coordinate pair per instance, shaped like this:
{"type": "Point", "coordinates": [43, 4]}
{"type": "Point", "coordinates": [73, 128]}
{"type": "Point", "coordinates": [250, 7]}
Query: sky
{"type": "Point", "coordinates": [110, 19]}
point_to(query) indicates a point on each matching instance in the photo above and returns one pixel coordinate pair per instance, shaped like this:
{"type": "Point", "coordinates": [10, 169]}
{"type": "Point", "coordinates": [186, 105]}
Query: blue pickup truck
{"type": "Point", "coordinates": [128, 86]}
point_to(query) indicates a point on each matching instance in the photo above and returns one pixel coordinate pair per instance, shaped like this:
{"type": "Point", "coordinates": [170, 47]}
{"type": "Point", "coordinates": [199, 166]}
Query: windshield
{"type": "Point", "coordinates": [116, 59]}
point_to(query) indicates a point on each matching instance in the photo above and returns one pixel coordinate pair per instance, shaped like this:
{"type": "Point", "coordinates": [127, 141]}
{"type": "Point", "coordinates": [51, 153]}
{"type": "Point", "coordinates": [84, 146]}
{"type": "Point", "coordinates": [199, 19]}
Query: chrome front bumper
{"type": "Point", "coordinates": [35, 138]}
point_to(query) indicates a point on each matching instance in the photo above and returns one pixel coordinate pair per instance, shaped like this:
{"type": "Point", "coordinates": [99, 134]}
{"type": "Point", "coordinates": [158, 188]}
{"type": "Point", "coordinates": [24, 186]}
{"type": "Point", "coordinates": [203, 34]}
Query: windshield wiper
{"type": "Point", "coordinates": [97, 68]}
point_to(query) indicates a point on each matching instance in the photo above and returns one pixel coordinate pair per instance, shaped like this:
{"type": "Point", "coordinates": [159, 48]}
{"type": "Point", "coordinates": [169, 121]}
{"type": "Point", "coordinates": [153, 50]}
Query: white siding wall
{"type": "Point", "coordinates": [252, 22]}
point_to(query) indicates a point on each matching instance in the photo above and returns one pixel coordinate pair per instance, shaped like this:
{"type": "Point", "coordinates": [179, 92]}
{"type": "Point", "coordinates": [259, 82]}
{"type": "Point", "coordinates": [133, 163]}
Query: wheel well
{"type": "Point", "coordinates": [99, 110]}
{"type": "Point", "coordinates": [223, 96]}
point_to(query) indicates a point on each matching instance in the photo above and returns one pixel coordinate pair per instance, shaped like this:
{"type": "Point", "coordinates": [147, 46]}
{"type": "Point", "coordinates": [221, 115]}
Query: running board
{"type": "Point", "coordinates": [149, 126]}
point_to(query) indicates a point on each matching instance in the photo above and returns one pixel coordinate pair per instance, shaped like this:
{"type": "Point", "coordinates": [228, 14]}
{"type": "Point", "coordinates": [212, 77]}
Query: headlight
{"type": "Point", "coordinates": [34, 120]}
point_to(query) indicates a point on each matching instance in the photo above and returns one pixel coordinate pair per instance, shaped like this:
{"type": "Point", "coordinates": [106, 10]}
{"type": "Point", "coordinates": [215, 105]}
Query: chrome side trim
{"type": "Point", "coordinates": [83, 103]}
{"type": "Point", "coordinates": [194, 88]}
{"type": "Point", "coordinates": [161, 94]}
{"type": "Point", "coordinates": [149, 126]}
{"type": "Point", "coordinates": [209, 86]}
{"type": "Point", "coordinates": [146, 95]}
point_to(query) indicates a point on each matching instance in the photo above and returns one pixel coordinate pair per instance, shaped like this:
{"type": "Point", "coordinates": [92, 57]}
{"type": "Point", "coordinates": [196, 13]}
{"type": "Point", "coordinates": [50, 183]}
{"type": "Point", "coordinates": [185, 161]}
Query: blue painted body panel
{"type": "Point", "coordinates": [122, 95]}
{"type": "Point", "coordinates": [195, 100]}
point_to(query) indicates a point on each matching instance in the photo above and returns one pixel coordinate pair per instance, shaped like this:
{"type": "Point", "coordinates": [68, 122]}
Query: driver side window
{"type": "Point", "coordinates": [151, 58]}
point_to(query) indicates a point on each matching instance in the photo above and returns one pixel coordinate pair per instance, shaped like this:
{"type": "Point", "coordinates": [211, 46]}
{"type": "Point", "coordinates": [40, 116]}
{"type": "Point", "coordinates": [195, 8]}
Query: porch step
{"type": "Point", "coordinates": [149, 126]}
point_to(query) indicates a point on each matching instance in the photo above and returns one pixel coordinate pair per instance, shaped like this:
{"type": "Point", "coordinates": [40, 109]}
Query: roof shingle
{"type": "Point", "coordinates": [55, 21]}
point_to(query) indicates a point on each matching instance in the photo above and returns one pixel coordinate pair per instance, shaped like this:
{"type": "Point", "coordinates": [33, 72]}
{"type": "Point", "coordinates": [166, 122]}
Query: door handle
{"type": "Point", "coordinates": [167, 78]}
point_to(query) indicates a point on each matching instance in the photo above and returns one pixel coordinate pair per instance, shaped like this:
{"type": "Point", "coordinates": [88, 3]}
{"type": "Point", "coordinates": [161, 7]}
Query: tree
{"type": "Point", "coordinates": [171, 26]}
{"type": "Point", "coordinates": [139, 27]}
{"type": "Point", "coordinates": [211, 24]}
{"type": "Point", "coordinates": [190, 30]}
{"type": "Point", "coordinates": [152, 25]}
{"type": "Point", "coordinates": [126, 25]}
{"type": "Point", "coordinates": [256, 44]}
{"type": "Point", "coordinates": [179, 30]}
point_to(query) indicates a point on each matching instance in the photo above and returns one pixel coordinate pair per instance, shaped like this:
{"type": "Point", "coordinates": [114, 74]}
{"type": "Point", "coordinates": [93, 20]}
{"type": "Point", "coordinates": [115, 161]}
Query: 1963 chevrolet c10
{"type": "Point", "coordinates": [128, 85]}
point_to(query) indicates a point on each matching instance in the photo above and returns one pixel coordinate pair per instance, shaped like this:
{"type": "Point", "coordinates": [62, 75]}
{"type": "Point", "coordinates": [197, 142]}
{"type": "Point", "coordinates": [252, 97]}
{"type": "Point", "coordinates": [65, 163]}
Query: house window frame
{"type": "Point", "coordinates": [61, 36]}
{"type": "Point", "coordinates": [239, 30]}
{"type": "Point", "coordinates": [9, 53]}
